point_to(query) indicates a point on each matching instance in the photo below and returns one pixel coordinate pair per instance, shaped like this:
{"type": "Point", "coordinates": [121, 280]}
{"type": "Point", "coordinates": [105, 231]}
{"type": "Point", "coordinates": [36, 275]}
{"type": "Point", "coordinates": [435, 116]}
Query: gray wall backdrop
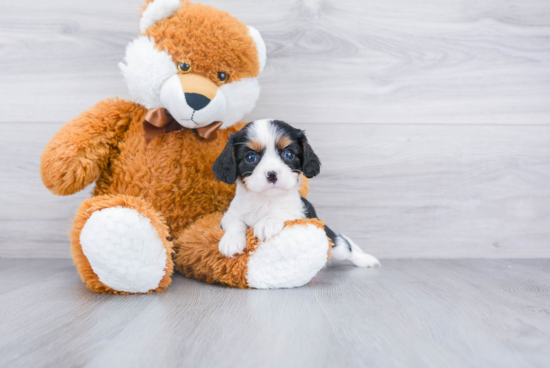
{"type": "Point", "coordinates": [432, 118]}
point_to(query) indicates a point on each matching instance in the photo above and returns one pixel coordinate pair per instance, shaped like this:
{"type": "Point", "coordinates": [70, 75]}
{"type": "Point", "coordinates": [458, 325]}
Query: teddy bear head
{"type": "Point", "coordinates": [199, 63]}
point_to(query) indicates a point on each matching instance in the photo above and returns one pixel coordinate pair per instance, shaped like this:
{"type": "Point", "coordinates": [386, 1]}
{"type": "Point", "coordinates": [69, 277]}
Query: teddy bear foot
{"type": "Point", "coordinates": [290, 259]}
{"type": "Point", "coordinates": [124, 251]}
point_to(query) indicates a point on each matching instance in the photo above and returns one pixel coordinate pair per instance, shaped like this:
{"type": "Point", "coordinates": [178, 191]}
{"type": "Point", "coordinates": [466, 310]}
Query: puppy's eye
{"type": "Point", "coordinates": [184, 67]}
{"type": "Point", "coordinates": [222, 77]}
{"type": "Point", "coordinates": [288, 154]}
{"type": "Point", "coordinates": [251, 157]}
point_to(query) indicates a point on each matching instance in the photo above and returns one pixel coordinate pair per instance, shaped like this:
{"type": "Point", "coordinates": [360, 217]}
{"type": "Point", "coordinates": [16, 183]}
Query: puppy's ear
{"type": "Point", "coordinates": [311, 165]}
{"type": "Point", "coordinates": [225, 166]}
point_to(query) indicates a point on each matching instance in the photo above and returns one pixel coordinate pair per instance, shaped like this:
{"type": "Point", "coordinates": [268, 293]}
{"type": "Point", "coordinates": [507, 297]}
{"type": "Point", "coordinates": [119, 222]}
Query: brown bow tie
{"type": "Point", "coordinates": [158, 121]}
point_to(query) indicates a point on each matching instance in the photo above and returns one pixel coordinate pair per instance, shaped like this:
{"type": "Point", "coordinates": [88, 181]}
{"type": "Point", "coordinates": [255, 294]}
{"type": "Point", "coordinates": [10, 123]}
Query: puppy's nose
{"type": "Point", "coordinates": [196, 101]}
{"type": "Point", "coordinates": [272, 176]}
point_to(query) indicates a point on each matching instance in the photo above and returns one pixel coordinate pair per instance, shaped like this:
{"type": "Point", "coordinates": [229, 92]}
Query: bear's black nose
{"type": "Point", "coordinates": [272, 177]}
{"type": "Point", "coordinates": [196, 101]}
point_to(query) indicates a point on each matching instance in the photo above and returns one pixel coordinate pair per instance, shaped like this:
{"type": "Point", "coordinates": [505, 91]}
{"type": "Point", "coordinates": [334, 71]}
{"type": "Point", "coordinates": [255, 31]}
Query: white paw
{"type": "Point", "coordinates": [267, 228]}
{"type": "Point", "coordinates": [232, 243]}
{"type": "Point", "coordinates": [124, 250]}
{"type": "Point", "coordinates": [364, 260]}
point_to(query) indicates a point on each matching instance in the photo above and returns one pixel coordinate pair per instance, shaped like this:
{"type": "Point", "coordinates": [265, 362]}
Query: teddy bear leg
{"type": "Point", "coordinates": [290, 259]}
{"type": "Point", "coordinates": [119, 245]}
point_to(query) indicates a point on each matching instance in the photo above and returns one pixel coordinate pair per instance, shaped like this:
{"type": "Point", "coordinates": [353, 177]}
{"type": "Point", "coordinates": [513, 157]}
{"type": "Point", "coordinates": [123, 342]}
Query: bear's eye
{"type": "Point", "coordinates": [222, 77]}
{"type": "Point", "coordinates": [184, 67]}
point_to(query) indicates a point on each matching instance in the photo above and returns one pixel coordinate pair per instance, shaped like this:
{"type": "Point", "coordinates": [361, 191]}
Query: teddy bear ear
{"type": "Point", "coordinates": [260, 46]}
{"type": "Point", "coordinates": [157, 10]}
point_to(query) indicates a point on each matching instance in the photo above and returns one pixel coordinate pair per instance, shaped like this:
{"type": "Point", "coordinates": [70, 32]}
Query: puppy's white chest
{"type": "Point", "coordinates": [252, 216]}
{"type": "Point", "coordinates": [285, 208]}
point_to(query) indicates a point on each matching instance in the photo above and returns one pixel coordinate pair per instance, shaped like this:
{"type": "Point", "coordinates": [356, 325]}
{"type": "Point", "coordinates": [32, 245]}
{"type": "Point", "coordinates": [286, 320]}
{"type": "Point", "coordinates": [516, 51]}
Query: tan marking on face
{"type": "Point", "coordinates": [284, 142]}
{"type": "Point", "coordinates": [195, 83]}
{"type": "Point", "coordinates": [255, 145]}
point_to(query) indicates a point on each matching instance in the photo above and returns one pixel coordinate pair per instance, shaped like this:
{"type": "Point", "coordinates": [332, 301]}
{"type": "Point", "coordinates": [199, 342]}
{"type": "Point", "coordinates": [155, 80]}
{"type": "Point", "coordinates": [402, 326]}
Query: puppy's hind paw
{"type": "Point", "coordinates": [364, 260]}
{"type": "Point", "coordinates": [232, 243]}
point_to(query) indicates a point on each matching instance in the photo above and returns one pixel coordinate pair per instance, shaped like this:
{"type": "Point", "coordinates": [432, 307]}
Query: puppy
{"type": "Point", "coordinates": [266, 159]}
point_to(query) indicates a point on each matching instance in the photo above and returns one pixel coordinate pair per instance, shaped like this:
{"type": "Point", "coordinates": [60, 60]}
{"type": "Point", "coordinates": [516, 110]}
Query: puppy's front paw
{"type": "Point", "coordinates": [232, 243]}
{"type": "Point", "coordinates": [268, 227]}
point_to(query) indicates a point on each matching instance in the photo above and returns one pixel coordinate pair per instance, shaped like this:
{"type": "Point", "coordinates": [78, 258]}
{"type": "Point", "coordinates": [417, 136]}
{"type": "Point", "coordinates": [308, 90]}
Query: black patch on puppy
{"type": "Point", "coordinates": [309, 212]}
{"type": "Point", "coordinates": [306, 160]}
{"type": "Point", "coordinates": [312, 165]}
{"type": "Point", "coordinates": [225, 166]}
{"type": "Point", "coordinates": [244, 168]}
{"type": "Point", "coordinates": [231, 163]}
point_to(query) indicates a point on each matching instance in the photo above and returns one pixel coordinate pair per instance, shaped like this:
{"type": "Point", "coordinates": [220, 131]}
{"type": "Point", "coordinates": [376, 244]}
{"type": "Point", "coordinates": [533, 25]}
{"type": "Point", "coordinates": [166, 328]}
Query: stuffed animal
{"type": "Point", "coordinates": [193, 74]}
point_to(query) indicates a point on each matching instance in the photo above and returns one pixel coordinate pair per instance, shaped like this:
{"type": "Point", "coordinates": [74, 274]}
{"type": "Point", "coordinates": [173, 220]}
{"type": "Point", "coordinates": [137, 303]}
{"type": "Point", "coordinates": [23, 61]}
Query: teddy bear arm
{"type": "Point", "coordinates": [79, 151]}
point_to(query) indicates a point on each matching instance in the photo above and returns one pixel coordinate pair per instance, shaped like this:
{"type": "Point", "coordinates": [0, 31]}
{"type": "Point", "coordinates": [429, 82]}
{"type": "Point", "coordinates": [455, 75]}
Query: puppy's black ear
{"type": "Point", "coordinates": [225, 166]}
{"type": "Point", "coordinates": [311, 165]}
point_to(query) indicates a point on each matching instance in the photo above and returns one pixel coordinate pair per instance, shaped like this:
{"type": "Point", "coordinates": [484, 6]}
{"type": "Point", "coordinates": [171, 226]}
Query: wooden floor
{"type": "Point", "coordinates": [409, 313]}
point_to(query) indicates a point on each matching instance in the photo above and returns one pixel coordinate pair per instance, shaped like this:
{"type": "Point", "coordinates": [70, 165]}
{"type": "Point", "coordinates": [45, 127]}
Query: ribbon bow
{"type": "Point", "coordinates": [159, 121]}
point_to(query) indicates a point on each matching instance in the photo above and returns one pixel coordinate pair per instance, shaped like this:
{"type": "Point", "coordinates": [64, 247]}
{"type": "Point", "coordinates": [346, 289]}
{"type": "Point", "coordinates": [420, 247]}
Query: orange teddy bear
{"type": "Point", "coordinates": [156, 205]}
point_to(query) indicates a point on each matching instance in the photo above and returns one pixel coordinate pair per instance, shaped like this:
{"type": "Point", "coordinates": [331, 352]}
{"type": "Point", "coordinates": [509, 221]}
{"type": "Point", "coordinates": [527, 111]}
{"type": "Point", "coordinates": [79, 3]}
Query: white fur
{"type": "Point", "coordinates": [157, 10]}
{"type": "Point", "coordinates": [266, 206]}
{"type": "Point", "coordinates": [289, 260]}
{"type": "Point", "coordinates": [152, 80]}
{"type": "Point", "coordinates": [172, 96]}
{"type": "Point", "coordinates": [258, 203]}
{"type": "Point", "coordinates": [240, 99]}
{"type": "Point", "coordinates": [260, 46]}
{"type": "Point", "coordinates": [266, 133]}
{"type": "Point", "coordinates": [341, 252]}
{"type": "Point", "coordinates": [124, 250]}
{"type": "Point", "coordinates": [145, 70]}
{"type": "Point", "coordinates": [266, 214]}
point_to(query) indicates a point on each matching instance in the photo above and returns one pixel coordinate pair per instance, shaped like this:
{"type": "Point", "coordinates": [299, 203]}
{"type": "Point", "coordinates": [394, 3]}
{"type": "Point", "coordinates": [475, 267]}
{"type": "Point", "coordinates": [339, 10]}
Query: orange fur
{"type": "Point", "coordinates": [304, 187]}
{"type": "Point", "coordinates": [98, 203]}
{"type": "Point", "coordinates": [81, 149]}
{"type": "Point", "coordinates": [197, 256]}
{"type": "Point", "coordinates": [255, 145]}
{"type": "Point", "coordinates": [210, 40]}
{"type": "Point", "coordinates": [170, 176]}
{"type": "Point", "coordinates": [283, 142]}
{"type": "Point", "coordinates": [170, 181]}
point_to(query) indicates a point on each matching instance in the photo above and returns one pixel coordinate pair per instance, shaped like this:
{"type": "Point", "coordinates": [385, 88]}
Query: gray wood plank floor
{"type": "Point", "coordinates": [409, 313]}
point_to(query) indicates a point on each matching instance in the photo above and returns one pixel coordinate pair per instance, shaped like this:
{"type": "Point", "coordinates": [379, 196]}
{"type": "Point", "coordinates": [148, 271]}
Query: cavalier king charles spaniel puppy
{"type": "Point", "coordinates": [266, 159]}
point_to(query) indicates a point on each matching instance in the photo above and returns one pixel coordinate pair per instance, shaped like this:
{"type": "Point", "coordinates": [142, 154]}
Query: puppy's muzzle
{"type": "Point", "coordinates": [272, 177]}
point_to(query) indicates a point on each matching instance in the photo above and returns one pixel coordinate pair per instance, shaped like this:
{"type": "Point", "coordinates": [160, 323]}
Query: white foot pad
{"type": "Point", "coordinates": [124, 250]}
{"type": "Point", "coordinates": [290, 259]}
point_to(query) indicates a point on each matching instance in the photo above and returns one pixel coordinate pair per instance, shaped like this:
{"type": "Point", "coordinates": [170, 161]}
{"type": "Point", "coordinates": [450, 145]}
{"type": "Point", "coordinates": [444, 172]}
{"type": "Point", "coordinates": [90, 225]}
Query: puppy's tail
{"type": "Point", "coordinates": [346, 250]}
